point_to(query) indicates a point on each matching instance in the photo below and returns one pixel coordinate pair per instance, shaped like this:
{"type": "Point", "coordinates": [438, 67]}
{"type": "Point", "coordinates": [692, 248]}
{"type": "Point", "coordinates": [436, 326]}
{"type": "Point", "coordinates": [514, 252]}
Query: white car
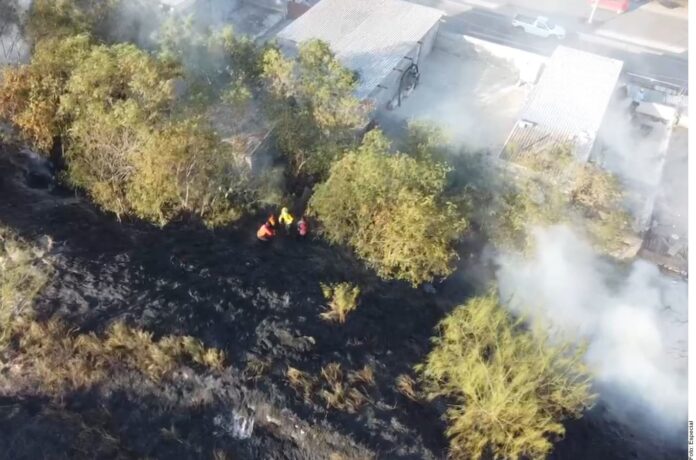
{"type": "Point", "coordinates": [539, 26]}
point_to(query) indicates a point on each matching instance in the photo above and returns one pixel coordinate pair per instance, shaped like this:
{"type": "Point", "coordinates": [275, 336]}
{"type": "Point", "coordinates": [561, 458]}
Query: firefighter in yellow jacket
{"type": "Point", "coordinates": [285, 218]}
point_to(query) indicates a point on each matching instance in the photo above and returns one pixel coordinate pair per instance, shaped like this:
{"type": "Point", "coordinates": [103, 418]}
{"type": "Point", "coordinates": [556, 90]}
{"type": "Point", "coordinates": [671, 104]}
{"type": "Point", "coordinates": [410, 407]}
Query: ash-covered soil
{"type": "Point", "coordinates": [258, 303]}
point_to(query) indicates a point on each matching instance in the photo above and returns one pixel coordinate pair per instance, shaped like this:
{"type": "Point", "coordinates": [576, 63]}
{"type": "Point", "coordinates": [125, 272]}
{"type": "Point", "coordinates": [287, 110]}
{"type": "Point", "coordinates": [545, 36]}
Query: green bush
{"type": "Point", "coordinates": [552, 188]}
{"type": "Point", "coordinates": [388, 207]}
{"type": "Point", "coordinates": [30, 95]}
{"type": "Point", "coordinates": [312, 105]}
{"type": "Point", "coordinates": [113, 110]}
{"type": "Point", "coordinates": [509, 388]}
{"type": "Point", "coordinates": [342, 299]}
{"type": "Point", "coordinates": [64, 18]}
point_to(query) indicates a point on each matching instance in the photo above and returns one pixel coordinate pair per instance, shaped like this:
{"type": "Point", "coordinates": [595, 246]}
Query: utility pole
{"type": "Point", "coordinates": [594, 9]}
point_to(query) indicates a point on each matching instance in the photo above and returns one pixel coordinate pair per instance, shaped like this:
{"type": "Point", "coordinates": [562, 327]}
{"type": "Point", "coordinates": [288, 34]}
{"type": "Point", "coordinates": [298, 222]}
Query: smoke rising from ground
{"type": "Point", "coordinates": [634, 322]}
{"type": "Point", "coordinates": [474, 99]}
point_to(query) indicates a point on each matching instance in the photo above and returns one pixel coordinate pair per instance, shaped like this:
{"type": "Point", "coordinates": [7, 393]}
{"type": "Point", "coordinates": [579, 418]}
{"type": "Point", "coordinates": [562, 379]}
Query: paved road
{"type": "Point", "coordinates": [495, 26]}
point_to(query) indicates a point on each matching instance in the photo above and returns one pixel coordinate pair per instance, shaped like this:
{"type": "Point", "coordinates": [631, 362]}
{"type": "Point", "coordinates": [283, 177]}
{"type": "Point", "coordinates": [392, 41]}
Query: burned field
{"type": "Point", "coordinates": [293, 386]}
{"type": "Point", "coordinates": [260, 305]}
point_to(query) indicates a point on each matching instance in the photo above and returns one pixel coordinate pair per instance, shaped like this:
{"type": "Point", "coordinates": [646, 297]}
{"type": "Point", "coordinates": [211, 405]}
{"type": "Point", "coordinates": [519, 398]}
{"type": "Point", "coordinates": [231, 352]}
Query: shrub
{"type": "Point", "coordinates": [64, 18]}
{"type": "Point", "coordinates": [388, 207]}
{"type": "Point", "coordinates": [30, 95]}
{"type": "Point", "coordinates": [552, 188]}
{"type": "Point", "coordinates": [342, 299]}
{"type": "Point", "coordinates": [509, 388]}
{"type": "Point", "coordinates": [312, 105]}
{"type": "Point", "coordinates": [211, 58]}
{"type": "Point", "coordinates": [113, 109]}
{"type": "Point", "coordinates": [516, 210]}
{"type": "Point", "coordinates": [185, 168]}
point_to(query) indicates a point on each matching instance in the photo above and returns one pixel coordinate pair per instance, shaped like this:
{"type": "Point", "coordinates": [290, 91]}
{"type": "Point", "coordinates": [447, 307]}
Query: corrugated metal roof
{"type": "Point", "coordinates": [525, 139]}
{"type": "Point", "coordinates": [369, 36]}
{"type": "Point", "coordinates": [569, 101]}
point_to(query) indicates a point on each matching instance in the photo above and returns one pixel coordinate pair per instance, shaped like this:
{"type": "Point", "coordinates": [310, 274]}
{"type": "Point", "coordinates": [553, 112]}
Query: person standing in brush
{"type": "Point", "coordinates": [286, 219]}
{"type": "Point", "coordinates": [302, 227]}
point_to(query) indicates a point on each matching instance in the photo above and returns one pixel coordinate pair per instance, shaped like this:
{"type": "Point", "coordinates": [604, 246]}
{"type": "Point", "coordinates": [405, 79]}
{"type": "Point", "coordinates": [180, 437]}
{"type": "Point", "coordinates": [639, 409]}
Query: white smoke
{"type": "Point", "coordinates": [634, 322]}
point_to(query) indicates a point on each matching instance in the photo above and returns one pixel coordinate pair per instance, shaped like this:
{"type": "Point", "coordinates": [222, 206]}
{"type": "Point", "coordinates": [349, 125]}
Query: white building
{"type": "Point", "coordinates": [567, 105]}
{"type": "Point", "coordinates": [383, 41]}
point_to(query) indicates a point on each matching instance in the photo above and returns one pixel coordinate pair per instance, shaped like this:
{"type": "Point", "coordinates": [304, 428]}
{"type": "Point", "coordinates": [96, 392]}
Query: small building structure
{"type": "Point", "coordinates": [383, 41]}
{"type": "Point", "coordinates": [567, 105]}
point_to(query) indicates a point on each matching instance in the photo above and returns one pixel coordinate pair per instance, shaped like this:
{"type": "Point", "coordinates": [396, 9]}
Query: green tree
{"type": "Point", "coordinates": [185, 168]}
{"type": "Point", "coordinates": [541, 187]}
{"type": "Point", "coordinates": [113, 99]}
{"type": "Point", "coordinates": [125, 142]}
{"type": "Point", "coordinates": [509, 388]}
{"type": "Point", "coordinates": [30, 94]}
{"type": "Point", "coordinates": [65, 18]}
{"type": "Point", "coordinates": [312, 105]}
{"type": "Point", "coordinates": [388, 207]}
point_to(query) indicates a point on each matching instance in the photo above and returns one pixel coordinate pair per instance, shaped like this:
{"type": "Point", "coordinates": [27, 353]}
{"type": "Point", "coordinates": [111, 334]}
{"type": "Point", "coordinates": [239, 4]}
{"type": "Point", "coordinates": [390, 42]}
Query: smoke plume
{"type": "Point", "coordinates": [633, 318]}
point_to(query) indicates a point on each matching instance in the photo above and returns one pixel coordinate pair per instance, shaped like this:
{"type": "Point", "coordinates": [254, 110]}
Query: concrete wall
{"type": "Point", "coordinates": [417, 54]}
{"type": "Point", "coordinates": [528, 64]}
{"type": "Point", "coordinates": [428, 42]}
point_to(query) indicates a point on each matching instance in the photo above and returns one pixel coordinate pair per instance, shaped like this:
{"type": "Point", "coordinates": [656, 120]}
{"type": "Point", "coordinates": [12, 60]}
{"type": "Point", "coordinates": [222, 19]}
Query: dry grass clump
{"type": "Point", "coordinates": [22, 274]}
{"type": "Point", "coordinates": [510, 388]}
{"type": "Point", "coordinates": [342, 298]}
{"type": "Point", "coordinates": [366, 376]}
{"type": "Point", "coordinates": [337, 391]}
{"type": "Point", "coordinates": [58, 359]}
{"type": "Point", "coordinates": [301, 382]}
{"type": "Point", "coordinates": [255, 368]}
{"type": "Point", "coordinates": [407, 387]}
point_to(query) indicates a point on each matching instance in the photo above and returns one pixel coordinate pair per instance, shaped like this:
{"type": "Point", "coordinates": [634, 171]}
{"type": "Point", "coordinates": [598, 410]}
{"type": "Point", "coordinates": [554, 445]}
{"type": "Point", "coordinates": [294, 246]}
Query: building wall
{"type": "Point", "coordinates": [389, 87]}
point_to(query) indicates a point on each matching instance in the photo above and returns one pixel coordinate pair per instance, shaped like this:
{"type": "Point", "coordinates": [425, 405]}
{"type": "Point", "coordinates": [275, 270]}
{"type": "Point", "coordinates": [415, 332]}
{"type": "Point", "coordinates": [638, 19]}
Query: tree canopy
{"type": "Point", "coordinates": [66, 18]}
{"type": "Point", "coordinates": [312, 104]}
{"type": "Point", "coordinates": [509, 388]}
{"type": "Point", "coordinates": [113, 110]}
{"type": "Point", "coordinates": [542, 187]}
{"type": "Point", "coordinates": [389, 208]}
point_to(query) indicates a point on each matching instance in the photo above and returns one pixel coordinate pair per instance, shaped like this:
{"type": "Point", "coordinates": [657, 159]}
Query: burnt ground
{"type": "Point", "coordinates": [254, 302]}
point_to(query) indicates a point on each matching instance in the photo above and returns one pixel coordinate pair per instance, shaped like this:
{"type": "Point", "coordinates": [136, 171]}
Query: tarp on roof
{"type": "Point", "coordinates": [368, 36]}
